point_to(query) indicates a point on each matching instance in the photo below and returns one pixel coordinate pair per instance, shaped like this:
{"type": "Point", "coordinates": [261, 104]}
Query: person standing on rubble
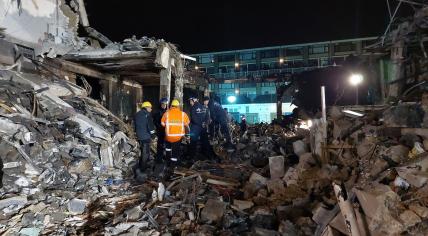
{"type": "Point", "coordinates": [219, 116]}
{"type": "Point", "coordinates": [145, 131]}
{"type": "Point", "coordinates": [243, 124]}
{"type": "Point", "coordinates": [160, 131]}
{"type": "Point", "coordinates": [176, 124]}
{"type": "Point", "coordinates": [199, 119]}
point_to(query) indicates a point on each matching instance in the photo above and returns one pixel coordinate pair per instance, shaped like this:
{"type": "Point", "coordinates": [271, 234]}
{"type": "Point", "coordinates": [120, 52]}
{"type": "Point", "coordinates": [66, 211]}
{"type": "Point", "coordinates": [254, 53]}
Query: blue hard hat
{"type": "Point", "coordinates": [163, 100]}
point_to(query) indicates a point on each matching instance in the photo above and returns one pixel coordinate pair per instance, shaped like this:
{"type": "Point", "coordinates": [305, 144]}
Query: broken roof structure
{"type": "Point", "coordinates": [133, 70]}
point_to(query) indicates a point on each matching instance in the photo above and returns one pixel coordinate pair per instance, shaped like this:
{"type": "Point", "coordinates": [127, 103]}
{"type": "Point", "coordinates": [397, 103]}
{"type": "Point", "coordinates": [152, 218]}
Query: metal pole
{"type": "Point", "coordinates": [390, 22]}
{"type": "Point", "coordinates": [323, 107]}
{"type": "Point", "coordinates": [356, 94]}
{"type": "Point", "coordinates": [324, 113]}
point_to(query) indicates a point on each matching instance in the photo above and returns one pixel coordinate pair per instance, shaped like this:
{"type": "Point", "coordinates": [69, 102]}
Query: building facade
{"type": "Point", "coordinates": [249, 77]}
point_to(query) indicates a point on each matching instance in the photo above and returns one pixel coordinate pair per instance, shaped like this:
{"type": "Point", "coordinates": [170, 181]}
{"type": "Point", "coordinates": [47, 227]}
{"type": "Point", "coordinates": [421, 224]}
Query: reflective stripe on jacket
{"type": "Point", "coordinates": [174, 122]}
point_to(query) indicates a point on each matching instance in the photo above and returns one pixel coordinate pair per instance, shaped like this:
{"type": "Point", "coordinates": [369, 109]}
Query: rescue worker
{"type": "Point", "coordinates": [160, 131]}
{"type": "Point", "coordinates": [199, 119]}
{"type": "Point", "coordinates": [145, 131]}
{"type": "Point", "coordinates": [176, 125]}
{"type": "Point", "coordinates": [243, 125]}
{"type": "Point", "coordinates": [219, 116]}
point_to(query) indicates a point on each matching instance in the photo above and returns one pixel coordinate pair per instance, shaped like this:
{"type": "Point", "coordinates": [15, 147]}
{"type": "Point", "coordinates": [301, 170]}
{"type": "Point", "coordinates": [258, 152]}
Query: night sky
{"type": "Point", "coordinates": [205, 26]}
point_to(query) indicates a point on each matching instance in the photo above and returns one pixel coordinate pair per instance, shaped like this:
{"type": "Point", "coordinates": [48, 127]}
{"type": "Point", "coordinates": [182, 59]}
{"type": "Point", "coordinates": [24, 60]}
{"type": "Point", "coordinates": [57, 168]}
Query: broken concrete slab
{"type": "Point", "coordinates": [319, 213]}
{"type": "Point", "coordinates": [398, 153]}
{"type": "Point", "coordinates": [30, 231]}
{"type": "Point", "coordinates": [83, 151]}
{"type": "Point", "coordinates": [77, 206]}
{"type": "Point", "coordinates": [299, 147]}
{"type": "Point", "coordinates": [372, 199]}
{"type": "Point", "coordinates": [213, 211]}
{"type": "Point", "coordinates": [339, 224]}
{"type": "Point", "coordinates": [134, 213]}
{"type": "Point", "coordinates": [411, 176]}
{"type": "Point", "coordinates": [291, 176]}
{"type": "Point", "coordinates": [264, 232]}
{"type": "Point", "coordinates": [409, 218]}
{"type": "Point", "coordinates": [243, 205]}
{"type": "Point", "coordinates": [420, 210]}
{"type": "Point", "coordinates": [329, 231]}
{"type": "Point", "coordinates": [275, 186]}
{"type": "Point", "coordinates": [305, 161]}
{"type": "Point", "coordinates": [287, 228]}
{"type": "Point", "coordinates": [257, 179]}
{"type": "Point", "coordinates": [276, 166]}
{"type": "Point", "coordinates": [13, 201]}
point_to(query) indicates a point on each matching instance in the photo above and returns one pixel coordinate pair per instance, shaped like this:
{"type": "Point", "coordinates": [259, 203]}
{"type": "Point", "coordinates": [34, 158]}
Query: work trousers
{"type": "Point", "coordinates": [145, 153]}
{"type": "Point", "coordinates": [160, 147]}
{"type": "Point", "coordinates": [199, 133]}
{"type": "Point", "coordinates": [172, 153]}
{"type": "Point", "coordinates": [224, 128]}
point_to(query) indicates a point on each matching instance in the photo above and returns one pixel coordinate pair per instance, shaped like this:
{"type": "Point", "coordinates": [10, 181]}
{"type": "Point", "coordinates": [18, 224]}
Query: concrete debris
{"type": "Point", "coordinates": [292, 195]}
{"type": "Point", "coordinates": [276, 166]}
{"type": "Point", "coordinates": [213, 211]}
{"type": "Point", "coordinates": [68, 164]}
{"type": "Point", "coordinates": [13, 201]}
{"type": "Point", "coordinates": [257, 179]}
{"type": "Point", "coordinates": [409, 218]}
{"type": "Point", "coordinates": [76, 206]}
{"type": "Point", "coordinates": [299, 147]}
{"type": "Point", "coordinates": [421, 211]}
{"type": "Point", "coordinates": [50, 146]}
{"type": "Point", "coordinates": [242, 205]}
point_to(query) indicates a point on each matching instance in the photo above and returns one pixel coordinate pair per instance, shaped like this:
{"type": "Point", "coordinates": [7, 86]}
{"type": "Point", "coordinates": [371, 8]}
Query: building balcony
{"type": "Point", "coordinates": [259, 74]}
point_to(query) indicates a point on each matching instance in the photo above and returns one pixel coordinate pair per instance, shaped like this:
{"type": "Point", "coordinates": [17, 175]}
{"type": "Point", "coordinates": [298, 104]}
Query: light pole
{"type": "Point", "coordinates": [355, 80]}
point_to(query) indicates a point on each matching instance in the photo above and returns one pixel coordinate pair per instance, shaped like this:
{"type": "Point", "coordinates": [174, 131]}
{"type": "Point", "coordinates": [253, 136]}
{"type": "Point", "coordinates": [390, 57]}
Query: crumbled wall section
{"type": "Point", "coordinates": [40, 24]}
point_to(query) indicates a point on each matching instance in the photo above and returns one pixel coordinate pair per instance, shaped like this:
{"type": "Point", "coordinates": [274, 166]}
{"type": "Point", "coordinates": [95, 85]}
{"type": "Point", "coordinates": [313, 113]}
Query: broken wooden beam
{"type": "Point", "coordinates": [346, 209]}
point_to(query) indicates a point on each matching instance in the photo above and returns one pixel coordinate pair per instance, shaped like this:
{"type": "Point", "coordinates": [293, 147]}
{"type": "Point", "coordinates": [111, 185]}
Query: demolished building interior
{"type": "Point", "coordinates": [68, 150]}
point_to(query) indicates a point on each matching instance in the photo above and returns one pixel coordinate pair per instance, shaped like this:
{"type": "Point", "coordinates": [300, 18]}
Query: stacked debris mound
{"type": "Point", "coordinates": [366, 176]}
{"type": "Point", "coordinates": [61, 152]}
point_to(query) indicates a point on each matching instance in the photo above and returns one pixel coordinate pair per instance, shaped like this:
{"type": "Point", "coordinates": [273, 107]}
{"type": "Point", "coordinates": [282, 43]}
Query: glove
{"type": "Point", "coordinates": [187, 138]}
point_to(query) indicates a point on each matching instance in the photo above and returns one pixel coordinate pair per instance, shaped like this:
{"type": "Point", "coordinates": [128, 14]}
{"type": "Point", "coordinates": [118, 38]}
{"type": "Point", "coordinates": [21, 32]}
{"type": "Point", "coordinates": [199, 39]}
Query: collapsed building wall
{"type": "Point", "coordinates": [403, 58]}
{"type": "Point", "coordinates": [44, 25]}
{"type": "Point", "coordinates": [120, 70]}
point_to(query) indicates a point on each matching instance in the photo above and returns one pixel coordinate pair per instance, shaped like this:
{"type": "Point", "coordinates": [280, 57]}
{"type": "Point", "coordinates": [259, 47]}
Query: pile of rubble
{"type": "Point", "coordinates": [67, 169]}
{"type": "Point", "coordinates": [368, 179]}
{"type": "Point", "coordinates": [61, 152]}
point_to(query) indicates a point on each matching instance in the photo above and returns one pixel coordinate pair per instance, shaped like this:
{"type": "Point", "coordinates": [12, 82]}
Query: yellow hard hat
{"type": "Point", "coordinates": [175, 103]}
{"type": "Point", "coordinates": [146, 104]}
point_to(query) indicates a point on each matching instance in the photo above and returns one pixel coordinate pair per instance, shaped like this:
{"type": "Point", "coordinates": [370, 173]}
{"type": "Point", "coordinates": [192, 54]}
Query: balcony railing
{"type": "Point", "coordinates": [242, 99]}
{"type": "Point", "coordinates": [261, 74]}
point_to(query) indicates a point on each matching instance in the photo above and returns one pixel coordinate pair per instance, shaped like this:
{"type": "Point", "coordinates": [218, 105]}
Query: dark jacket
{"type": "Point", "coordinates": [199, 115]}
{"type": "Point", "coordinates": [217, 113]}
{"type": "Point", "coordinates": [157, 116]}
{"type": "Point", "coordinates": [144, 125]}
{"type": "Point", "coordinates": [243, 125]}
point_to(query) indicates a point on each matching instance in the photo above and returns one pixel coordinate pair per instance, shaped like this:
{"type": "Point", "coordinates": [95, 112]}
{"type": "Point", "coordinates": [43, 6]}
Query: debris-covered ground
{"type": "Point", "coordinates": [61, 152]}
{"type": "Point", "coordinates": [68, 170]}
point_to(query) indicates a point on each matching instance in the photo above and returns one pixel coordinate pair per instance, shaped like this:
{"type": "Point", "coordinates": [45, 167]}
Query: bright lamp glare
{"type": "Point", "coordinates": [231, 99]}
{"type": "Point", "coordinates": [355, 79]}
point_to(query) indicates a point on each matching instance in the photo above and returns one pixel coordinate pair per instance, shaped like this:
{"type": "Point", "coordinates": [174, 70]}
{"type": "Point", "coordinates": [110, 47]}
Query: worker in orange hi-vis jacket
{"type": "Point", "coordinates": [176, 124]}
